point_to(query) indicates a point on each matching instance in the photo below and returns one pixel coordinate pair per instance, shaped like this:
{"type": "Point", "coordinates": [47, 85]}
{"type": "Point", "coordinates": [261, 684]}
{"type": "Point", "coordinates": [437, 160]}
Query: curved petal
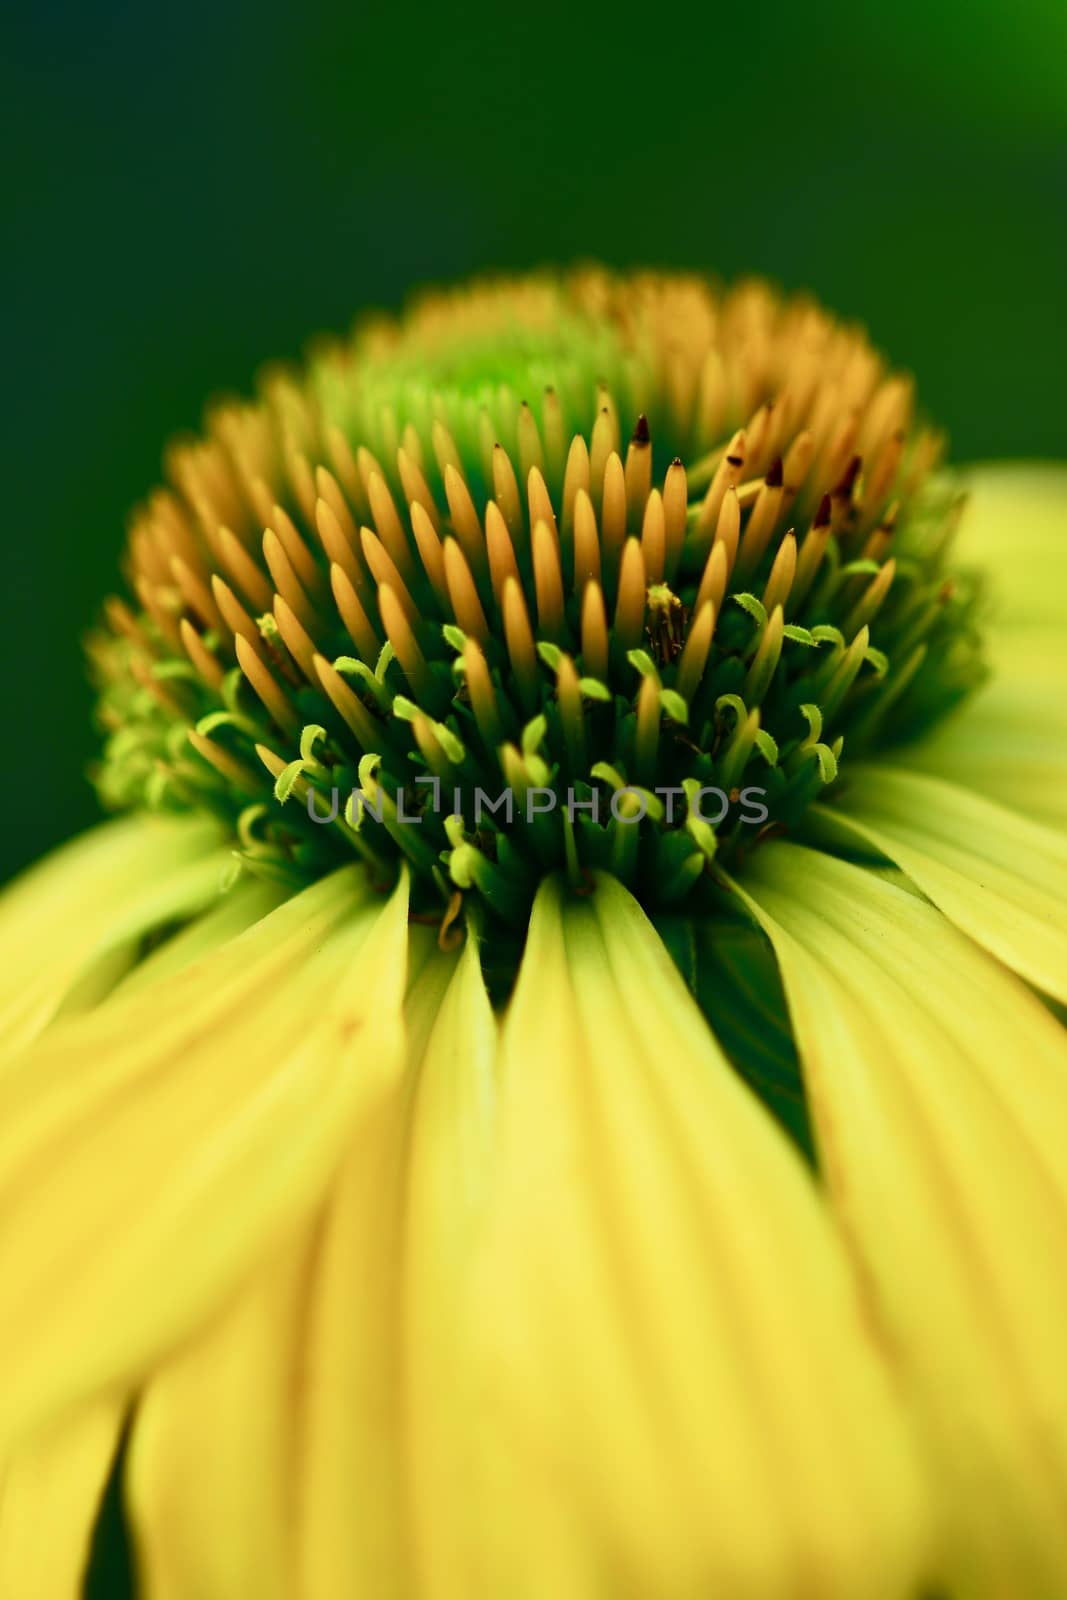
{"type": "Point", "coordinates": [152, 1151]}
{"type": "Point", "coordinates": [244, 904]}
{"type": "Point", "coordinates": [689, 1401]}
{"type": "Point", "coordinates": [50, 1494]}
{"type": "Point", "coordinates": [387, 1500]}
{"type": "Point", "coordinates": [1010, 740]}
{"type": "Point", "coordinates": [69, 927]}
{"type": "Point", "coordinates": [211, 1468]}
{"type": "Point", "coordinates": [1008, 743]}
{"type": "Point", "coordinates": [998, 876]}
{"type": "Point", "coordinates": [1015, 524]}
{"type": "Point", "coordinates": [938, 1091]}
{"type": "Point", "coordinates": [351, 1514]}
{"type": "Point", "coordinates": [317, 1440]}
{"type": "Point", "coordinates": [449, 1153]}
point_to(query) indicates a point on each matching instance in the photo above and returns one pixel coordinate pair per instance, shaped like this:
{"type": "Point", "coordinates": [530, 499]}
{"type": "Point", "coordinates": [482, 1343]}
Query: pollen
{"type": "Point", "coordinates": [486, 588]}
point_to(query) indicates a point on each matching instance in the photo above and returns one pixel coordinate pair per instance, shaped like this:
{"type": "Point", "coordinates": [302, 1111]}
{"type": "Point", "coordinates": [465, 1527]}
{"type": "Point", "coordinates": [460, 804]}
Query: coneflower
{"type": "Point", "coordinates": [555, 1085]}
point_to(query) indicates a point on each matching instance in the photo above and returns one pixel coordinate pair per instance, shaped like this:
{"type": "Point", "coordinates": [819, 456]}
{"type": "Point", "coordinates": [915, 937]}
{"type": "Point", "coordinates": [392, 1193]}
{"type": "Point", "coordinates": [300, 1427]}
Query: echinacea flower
{"type": "Point", "coordinates": [553, 1087]}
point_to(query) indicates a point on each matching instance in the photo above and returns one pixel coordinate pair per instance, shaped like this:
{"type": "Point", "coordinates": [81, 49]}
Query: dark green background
{"type": "Point", "coordinates": [194, 189]}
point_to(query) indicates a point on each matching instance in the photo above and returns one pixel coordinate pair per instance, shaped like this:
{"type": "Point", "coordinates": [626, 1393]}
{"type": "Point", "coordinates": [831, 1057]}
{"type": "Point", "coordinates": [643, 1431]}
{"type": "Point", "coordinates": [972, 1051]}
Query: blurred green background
{"type": "Point", "coordinates": [197, 188]}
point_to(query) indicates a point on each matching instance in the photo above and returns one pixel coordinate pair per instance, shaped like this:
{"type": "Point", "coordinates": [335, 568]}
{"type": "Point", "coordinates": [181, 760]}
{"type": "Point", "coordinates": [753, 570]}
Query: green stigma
{"type": "Point", "coordinates": [556, 574]}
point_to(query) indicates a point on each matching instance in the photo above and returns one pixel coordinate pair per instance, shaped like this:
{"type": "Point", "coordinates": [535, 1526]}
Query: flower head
{"type": "Point", "coordinates": [554, 1086]}
{"type": "Point", "coordinates": [541, 545]}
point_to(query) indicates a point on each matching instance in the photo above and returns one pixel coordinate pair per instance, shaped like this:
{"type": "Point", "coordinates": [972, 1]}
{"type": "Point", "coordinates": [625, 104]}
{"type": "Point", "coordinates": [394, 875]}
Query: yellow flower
{"type": "Point", "coordinates": [556, 1084]}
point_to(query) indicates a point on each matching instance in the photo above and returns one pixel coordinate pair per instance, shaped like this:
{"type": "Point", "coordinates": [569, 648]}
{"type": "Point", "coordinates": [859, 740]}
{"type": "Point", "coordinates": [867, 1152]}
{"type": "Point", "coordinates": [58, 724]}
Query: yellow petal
{"type": "Point", "coordinates": [50, 1494]}
{"type": "Point", "coordinates": [350, 1513]}
{"type": "Point", "coordinates": [689, 1400]}
{"type": "Point", "coordinates": [1010, 740]}
{"type": "Point", "coordinates": [212, 1468]}
{"type": "Point", "coordinates": [1015, 526]}
{"type": "Point", "coordinates": [1000, 877]}
{"type": "Point", "coordinates": [938, 1090]}
{"type": "Point", "coordinates": [316, 1439]}
{"type": "Point", "coordinates": [69, 928]}
{"type": "Point", "coordinates": [153, 1151]}
{"type": "Point", "coordinates": [449, 1152]}
{"type": "Point", "coordinates": [243, 905]}
{"type": "Point", "coordinates": [385, 1470]}
{"type": "Point", "coordinates": [1008, 743]}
